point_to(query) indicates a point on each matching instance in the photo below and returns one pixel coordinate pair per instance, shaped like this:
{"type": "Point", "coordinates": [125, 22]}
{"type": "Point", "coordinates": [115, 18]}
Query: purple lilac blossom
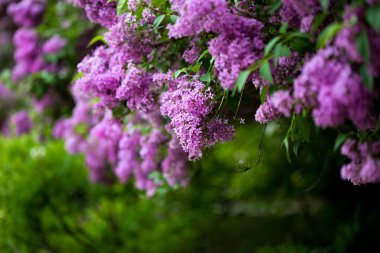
{"type": "Point", "coordinates": [99, 11]}
{"type": "Point", "coordinates": [299, 13]}
{"type": "Point", "coordinates": [192, 53]}
{"type": "Point", "coordinates": [102, 76]}
{"type": "Point", "coordinates": [53, 45]}
{"type": "Point", "coordinates": [132, 43]}
{"type": "Point", "coordinates": [21, 122]}
{"type": "Point", "coordinates": [27, 55]}
{"type": "Point", "coordinates": [188, 103]}
{"type": "Point", "coordinates": [266, 112]}
{"type": "Point", "coordinates": [102, 146]}
{"type": "Point", "coordinates": [282, 101]}
{"type": "Point", "coordinates": [239, 42]}
{"type": "Point", "coordinates": [365, 165]}
{"type": "Point", "coordinates": [128, 155]}
{"type": "Point", "coordinates": [347, 39]}
{"type": "Point", "coordinates": [174, 164]}
{"type": "Point", "coordinates": [334, 91]}
{"type": "Point", "coordinates": [27, 13]}
{"type": "Point", "coordinates": [137, 89]}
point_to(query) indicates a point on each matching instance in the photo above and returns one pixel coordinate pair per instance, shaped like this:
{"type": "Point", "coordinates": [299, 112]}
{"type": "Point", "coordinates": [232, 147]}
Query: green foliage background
{"type": "Point", "coordinates": [230, 205]}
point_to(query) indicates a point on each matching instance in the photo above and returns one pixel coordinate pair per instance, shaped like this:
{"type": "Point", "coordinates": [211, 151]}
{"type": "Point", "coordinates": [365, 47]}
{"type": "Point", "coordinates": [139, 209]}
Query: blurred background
{"type": "Point", "coordinates": [47, 203]}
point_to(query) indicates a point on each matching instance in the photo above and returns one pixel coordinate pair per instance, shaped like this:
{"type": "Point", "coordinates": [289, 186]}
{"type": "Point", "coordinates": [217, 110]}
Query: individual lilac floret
{"type": "Point", "coordinates": [53, 45]}
{"type": "Point", "coordinates": [27, 13]}
{"type": "Point", "coordinates": [21, 122]}
{"type": "Point", "coordinates": [329, 86]}
{"type": "Point", "coordinates": [364, 166]}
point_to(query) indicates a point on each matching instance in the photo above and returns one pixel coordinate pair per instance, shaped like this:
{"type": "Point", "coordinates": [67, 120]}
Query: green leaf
{"type": "Point", "coordinates": [97, 38]}
{"type": "Point", "coordinates": [178, 72]}
{"type": "Point", "coordinates": [275, 6]}
{"type": "Point", "coordinates": [328, 34]}
{"type": "Point", "coordinates": [317, 21]}
{"type": "Point", "coordinates": [271, 44]}
{"type": "Point", "coordinates": [324, 4]}
{"type": "Point", "coordinates": [205, 77]}
{"type": "Point", "coordinates": [285, 142]}
{"type": "Point", "coordinates": [203, 54]}
{"type": "Point", "coordinates": [296, 147]}
{"type": "Point", "coordinates": [121, 7]}
{"type": "Point", "coordinates": [158, 3]}
{"type": "Point", "coordinates": [283, 28]}
{"type": "Point", "coordinates": [263, 94]}
{"type": "Point", "coordinates": [303, 127]}
{"type": "Point", "coordinates": [339, 141]}
{"type": "Point", "coordinates": [76, 77]}
{"type": "Point", "coordinates": [195, 68]}
{"type": "Point", "coordinates": [173, 19]}
{"type": "Point", "coordinates": [373, 17]}
{"type": "Point", "coordinates": [266, 72]}
{"type": "Point", "coordinates": [366, 77]}
{"type": "Point", "coordinates": [280, 50]}
{"type": "Point", "coordinates": [240, 81]}
{"type": "Point", "coordinates": [157, 22]}
{"type": "Point", "coordinates": [363, 47]}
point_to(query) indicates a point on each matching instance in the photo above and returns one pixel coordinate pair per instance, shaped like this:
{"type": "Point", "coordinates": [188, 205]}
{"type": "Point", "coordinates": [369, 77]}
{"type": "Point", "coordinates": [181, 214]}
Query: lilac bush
{"type": "Point", "coordinates": [163, 81]}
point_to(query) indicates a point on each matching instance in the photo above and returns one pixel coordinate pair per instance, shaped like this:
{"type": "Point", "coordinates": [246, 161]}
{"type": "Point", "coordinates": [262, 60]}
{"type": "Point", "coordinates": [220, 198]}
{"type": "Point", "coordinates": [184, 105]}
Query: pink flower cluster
{"type": "Point", "coordinates": [365, 163]}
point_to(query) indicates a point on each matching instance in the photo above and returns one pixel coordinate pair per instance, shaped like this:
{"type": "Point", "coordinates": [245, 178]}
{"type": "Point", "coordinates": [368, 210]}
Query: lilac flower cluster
{"type": "Point", "coordinates": [133, 43]}
{"type": "Point", "coordinates": [20, 123]}
{"type": "Point", "coordinates": [99, 11]}
{"type": "Point", "coordinates": [137, 89]}
{"type": "Point", "coordinates": [102, 76]}
{"type": "Point", "coordinates": [330, 86]}
{"type": "Point", "coordinates": [29, 53]}
{"type": "Point", "coordinates": [266, 112]}
{"type": "Point", "coordinates": [346, 39]}
{"type": "Point", "coordinates": [365, 163]}
{"type": "Point", "coordinates": [192, 53]}
{"type": "Point", "coordinates": [299, 13]}
{"type": "Point", "coordinates": [27, 13]}
{"type": "Point", "coordinates": [188, 103]}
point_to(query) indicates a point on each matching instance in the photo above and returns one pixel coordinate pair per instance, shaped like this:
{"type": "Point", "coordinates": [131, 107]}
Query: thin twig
{"type": "Point", "coordinates": [320, 175]}
{"type": "Point", "coordinates": [258, 152]}
{"type": "Point", "coordinates": [220, 105]}
{"type": "Point", "coordinates": [260, 144]}
{"type": "Point", "coordinates": [237, 109]}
